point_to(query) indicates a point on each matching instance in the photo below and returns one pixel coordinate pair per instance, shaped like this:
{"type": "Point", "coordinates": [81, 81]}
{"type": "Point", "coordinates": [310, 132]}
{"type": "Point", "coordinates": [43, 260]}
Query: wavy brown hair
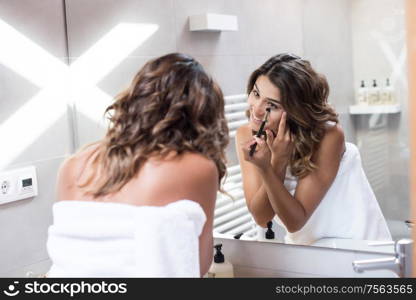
{"type": "Point", "coordinates": [171, 106]}
{"type": "Point", "coordinates": [304, 96]}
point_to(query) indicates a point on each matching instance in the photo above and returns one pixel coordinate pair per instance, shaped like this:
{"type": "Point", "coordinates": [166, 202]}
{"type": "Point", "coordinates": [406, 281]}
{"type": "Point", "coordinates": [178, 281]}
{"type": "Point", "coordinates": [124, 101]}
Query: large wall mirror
{"type": "Point", "coordinates": [365, 42]}
{"type": "Point", "coordinates": [376, 58]}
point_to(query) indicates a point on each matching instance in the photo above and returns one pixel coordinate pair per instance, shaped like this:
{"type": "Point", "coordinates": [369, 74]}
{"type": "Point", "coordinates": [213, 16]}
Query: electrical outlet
{"type": "Point", "coordinates": [5, 187]}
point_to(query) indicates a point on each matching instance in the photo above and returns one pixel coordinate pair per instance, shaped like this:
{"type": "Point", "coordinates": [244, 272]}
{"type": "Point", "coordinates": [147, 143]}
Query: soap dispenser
{"type": "Point", "coordinates": [220, 268]}
{"type": "Point", "coordinates": [269, 233]}
{"type": "Point", "coordinates": [362, 97]}
{"type": "Point", "coordinates": [374, 94]}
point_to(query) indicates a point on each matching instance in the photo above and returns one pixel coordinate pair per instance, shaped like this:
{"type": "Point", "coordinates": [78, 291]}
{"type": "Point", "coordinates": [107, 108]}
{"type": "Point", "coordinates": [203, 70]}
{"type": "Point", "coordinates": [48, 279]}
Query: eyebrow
{"type": "Point", "coordinates": [272, 100]}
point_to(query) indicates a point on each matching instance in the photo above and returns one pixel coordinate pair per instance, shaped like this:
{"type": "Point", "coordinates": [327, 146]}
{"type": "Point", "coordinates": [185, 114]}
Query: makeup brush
{"type": "Point", "coordinates": [260, 132]}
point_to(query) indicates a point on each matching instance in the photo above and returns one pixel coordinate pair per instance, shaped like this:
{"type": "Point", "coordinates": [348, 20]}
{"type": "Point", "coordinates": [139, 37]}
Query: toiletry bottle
{"type": "Point", "coordinates": [220, 268]}
{"type": "Point", "coordinates": [269, 233]}
{"type": "Point", "coordinates": [387, 94]}
{"type": "Point", "coordinates": [362, 97]}
{"type": "Point", "coordinates": [238, 236]}
{"type": "Point", "coordinates": [374, 94]}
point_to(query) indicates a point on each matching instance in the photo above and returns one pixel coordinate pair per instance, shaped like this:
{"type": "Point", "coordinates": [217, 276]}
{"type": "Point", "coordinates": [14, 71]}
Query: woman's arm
{"type": "Point", "coordinates": [294, 211]}
{"type": "Point", "coordinates": [254, 191]}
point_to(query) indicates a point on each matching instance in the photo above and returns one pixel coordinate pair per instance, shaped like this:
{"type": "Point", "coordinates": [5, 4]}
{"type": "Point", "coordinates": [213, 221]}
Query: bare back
{"type": "Point", "coordinates": [159, 182]}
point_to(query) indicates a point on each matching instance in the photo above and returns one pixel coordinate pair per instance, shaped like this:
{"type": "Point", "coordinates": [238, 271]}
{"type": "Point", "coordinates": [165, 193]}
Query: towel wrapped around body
{"type": "Point", "coordinates": [348, 210]}
{"type": "Point", "coordinates": [102, 239]}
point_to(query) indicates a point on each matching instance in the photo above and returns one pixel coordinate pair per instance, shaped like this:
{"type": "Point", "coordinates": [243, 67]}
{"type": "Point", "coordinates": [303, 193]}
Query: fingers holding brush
{"type": "Point", "coordinates": [260, 155]}
{"type": "Point", "coordinates": [247, 149]}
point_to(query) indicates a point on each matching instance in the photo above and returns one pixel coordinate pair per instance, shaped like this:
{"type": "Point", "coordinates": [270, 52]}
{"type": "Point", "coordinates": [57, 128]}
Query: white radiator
{"type": "Point", "coordinates": [232, 216]}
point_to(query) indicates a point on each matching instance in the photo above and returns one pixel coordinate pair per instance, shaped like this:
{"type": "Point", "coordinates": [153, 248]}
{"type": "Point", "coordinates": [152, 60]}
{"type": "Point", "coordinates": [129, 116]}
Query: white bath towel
{"type": "Point", "coordinates": [348, 210]}
{"type": "Point", "coordinates": [96, 239]}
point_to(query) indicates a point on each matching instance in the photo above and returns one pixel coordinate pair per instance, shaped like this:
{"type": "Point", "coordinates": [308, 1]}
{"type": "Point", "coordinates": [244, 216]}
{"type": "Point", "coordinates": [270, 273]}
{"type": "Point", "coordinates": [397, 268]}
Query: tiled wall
{"type": "Point", "coordinates": [318, 30]}
{"type": "Point", "coordinates": [379, 44]}
{"type": "Point", "coordinates": [327, 43]}
{"type": "Point", "coordinates": [42, 137]}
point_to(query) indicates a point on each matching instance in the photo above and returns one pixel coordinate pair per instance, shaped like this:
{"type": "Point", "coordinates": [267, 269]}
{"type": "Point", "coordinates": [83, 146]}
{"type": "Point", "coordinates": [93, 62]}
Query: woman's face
{"type": "Point", "coordinates": [263, 95]}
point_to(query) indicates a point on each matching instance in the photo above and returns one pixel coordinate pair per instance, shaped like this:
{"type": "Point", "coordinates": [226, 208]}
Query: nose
{"type": "Point", "coordinates": [259, 110]}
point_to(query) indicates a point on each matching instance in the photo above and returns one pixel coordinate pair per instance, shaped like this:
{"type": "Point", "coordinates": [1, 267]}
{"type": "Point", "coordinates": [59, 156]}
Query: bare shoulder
{"type": "Point", "coordinates": [70, 170]}
{"type": "Point", "coordinates": [243, 132]}
{"type": "Point", "coordinates": [187, 176]}
{"type": "Point", "coordinates": [74, 163]}
{"type": "Point", "coordinates": [65, 179]}
{"type": "Point", "coordinates": [243, 135]}
{"type": "Point", "coordinates": [67, 168]}
{"type": "Point", "coordinates": [334, 138]}
{"type": "Point", "coordinates": [335, 131]}
{"type": "Point", "coordinates": [331, 147]}
{"type": "Point", "coordinates": [183, 165]}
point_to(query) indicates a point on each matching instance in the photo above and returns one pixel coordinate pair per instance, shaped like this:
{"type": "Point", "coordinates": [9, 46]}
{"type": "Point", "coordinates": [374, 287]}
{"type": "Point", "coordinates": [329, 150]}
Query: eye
{"type": "Point", "coordinates": [255, 93]}
{"type": "Point", "coordinates": [273, 105]}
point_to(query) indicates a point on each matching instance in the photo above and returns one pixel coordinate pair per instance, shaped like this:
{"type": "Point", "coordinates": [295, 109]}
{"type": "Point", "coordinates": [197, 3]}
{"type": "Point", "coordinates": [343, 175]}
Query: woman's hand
{"type": "Point", "coordinates": [261, 158]}
{"type": "Point", "coordinates": [281, 146]}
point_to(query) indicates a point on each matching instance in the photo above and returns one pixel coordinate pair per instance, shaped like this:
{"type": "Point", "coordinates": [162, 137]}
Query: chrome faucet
{"type": "Point", "coordinates": [401, 263]}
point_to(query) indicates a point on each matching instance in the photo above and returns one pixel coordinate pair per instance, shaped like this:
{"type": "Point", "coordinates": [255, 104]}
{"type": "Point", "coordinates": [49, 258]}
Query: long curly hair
{"type": "Point", "coordinates": [304, 96]}
{"type": "Point", "coordinates": [171, 106]}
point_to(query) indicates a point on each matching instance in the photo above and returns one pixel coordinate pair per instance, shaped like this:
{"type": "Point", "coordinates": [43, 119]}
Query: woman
{"type": "Point", "coordinates": [165, 143]}
{"type": "Point", "coordinates": [302, 171]}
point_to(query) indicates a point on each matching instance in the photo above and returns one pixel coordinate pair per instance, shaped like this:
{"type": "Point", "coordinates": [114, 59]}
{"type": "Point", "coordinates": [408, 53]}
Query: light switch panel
{"type": "Point", "coordinates": [18, 184]}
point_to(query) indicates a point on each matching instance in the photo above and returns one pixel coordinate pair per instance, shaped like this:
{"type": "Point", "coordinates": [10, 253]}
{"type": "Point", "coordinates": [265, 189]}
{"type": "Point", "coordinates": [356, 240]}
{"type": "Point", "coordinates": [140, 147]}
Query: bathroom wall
{"type": "Point", "coordinates": [34, 124]}
{"type": "Point", "coordinates": [266, 28]}
{"type": "Point", "coordinates": [379, 52]}
{"type": "Point", "coordinates": [327, 44]}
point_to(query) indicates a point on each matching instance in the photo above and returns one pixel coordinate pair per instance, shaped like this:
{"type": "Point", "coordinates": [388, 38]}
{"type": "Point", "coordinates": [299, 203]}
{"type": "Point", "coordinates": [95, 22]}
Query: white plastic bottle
{"type": "Point", "coordinates": [387, 96]}
{"type": "Point", "coordinates": [362, 97]}
{"type": "Point", "coordinates": [374, 94]}
{"type": "Point", "coordinates": [220, 268]}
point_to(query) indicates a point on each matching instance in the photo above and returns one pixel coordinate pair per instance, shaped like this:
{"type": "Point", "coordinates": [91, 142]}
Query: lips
{"type": "Point", "coordinates": [255, 120]}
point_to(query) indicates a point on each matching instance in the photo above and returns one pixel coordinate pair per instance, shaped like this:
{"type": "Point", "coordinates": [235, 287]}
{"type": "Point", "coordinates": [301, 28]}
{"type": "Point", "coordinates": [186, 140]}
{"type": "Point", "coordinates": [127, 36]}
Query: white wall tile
{"type": "Point", "coordinates": [378, 40]}
{"type": "Point", "coordinates": [231, 72]}
{"type": "Point", "coordinates": [24, 224]}
{"type": "Point", "coordinates": [121, 77]}
{"type": "Point", "coordinates": [275, 26]}
{"type": "Point", "coordinates": [54, 141]}
{"type": "Point", "coordinates": [88, 21]}
{"type": "Point", "coordinates": [41, 21]}
{"type": "Point", "coordinates": [327, 44]}
{"type": "Point", "coordinates": [15, 91]}
{"type": "Point", "coordinates": [46, 30]}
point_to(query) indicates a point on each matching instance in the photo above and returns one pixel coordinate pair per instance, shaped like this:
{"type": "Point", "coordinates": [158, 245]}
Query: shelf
{"type": "Point", "coordinates": [374, 109]}
{"type": "Point", "coordinates": [213, 22]}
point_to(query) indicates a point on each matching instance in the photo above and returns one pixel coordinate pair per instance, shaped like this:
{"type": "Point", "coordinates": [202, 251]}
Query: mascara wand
{"type": "Point", "coordinates": [260, 132]}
